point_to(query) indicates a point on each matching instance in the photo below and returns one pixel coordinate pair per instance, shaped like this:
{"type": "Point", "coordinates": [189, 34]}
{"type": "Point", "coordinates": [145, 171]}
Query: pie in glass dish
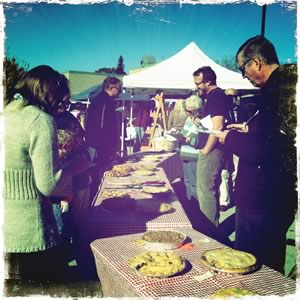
{"type": "Point", "coordinates": [229, 260]}
{"type": "Point", "coordinates": [157, 264]}
{"type": "Point", "coordinates": [229, 293]}
{"type": "Point", "coordinates": [161, 240]}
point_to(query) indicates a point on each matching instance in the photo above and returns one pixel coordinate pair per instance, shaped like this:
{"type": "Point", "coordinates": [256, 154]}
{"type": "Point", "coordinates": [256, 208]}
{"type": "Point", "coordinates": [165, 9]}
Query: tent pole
{"type": "Point", "coordinates": [123, 129]}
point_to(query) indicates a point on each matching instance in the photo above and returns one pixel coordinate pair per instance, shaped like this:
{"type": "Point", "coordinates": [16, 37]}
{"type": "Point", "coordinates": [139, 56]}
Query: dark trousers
{"type": "Point", "coordinates": [37, 266]}
{"type": "Point", "coordinates": [263, 233]}
{"type": "Point", "coordinates": [96, 175]}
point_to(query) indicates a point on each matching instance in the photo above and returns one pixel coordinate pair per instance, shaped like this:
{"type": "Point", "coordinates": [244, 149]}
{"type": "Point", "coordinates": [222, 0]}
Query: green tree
{"type": "Point", "coordinates": [120, 66]}
{"type": "Point", "coordinates": [13, 71]}
{"type": "Point", "coordinates": [228, 62]}
{"type": "Point", "coordinates": [118, 70]}
{"type": "Point", "coordinates": [106, 70]}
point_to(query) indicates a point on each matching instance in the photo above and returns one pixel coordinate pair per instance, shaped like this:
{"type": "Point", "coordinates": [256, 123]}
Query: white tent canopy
{"type": "Point", "coordinates": [176, 72]}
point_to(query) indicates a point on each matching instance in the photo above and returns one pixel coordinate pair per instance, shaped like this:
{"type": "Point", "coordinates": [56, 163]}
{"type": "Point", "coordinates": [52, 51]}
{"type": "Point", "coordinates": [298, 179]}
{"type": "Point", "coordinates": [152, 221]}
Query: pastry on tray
{"type": "Point", "coordinates": [229, 293]}
{"type": "Point", "coordinates": [229, 260]}
{"type": "Point", "coordinates": [118, 204]}
{"type": "Point", "coordinates": [150, 158]}
{"type": "Point", "coordinates": [117, 173]}
{"type": "Point", "coordinates": [157, 264]}
{"type": "Point", "coordinates": [163, 239]}
{"type": "Point", "coordinates": [114, 194]}
{"type": "Point", "coordinates": [164, 236]}
{"type": "Point", "coordinates": [123, 168]}
{"type": "Point", "coordinates": [118, 200]}
{"type": "Point", "coordinates": [156, 189]}
{"type": "Point", "coordinates": [143, 173]}
{"type": "Point", "coordinates": [147, 167]}
{"type": "Point", "coordinates": [153, 206]}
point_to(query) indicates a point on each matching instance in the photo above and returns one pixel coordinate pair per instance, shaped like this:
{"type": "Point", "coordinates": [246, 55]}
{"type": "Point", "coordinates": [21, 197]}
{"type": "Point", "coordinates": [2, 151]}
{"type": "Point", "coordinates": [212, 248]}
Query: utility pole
{"type": "Point", "coordinates": [263, 19]}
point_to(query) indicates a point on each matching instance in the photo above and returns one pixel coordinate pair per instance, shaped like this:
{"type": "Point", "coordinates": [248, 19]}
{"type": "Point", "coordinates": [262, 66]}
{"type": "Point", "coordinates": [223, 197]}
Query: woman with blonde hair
{"type": "Point", "coordinates": [177, 116]}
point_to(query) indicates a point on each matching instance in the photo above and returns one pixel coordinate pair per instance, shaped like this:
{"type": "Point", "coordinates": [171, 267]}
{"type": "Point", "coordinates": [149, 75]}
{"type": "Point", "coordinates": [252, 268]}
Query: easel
{"type": "Point", "coordinates": [160, 109]}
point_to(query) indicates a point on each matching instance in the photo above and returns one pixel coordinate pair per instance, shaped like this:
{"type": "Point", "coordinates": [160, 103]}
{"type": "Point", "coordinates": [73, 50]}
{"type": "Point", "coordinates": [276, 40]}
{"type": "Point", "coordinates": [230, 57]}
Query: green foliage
{"type": "Point", "coordinates": [106, 70]}
{"type": "Point", "coordinates": [118, 70]}
{"type": "Point", "coordinates": [120, 66]}
{"type": "Point", "coordinates": [287, 114]}
{"type": "Point", "coordinates": [13, 71]}
{"type": "Point", "coordinates": [228, 62]}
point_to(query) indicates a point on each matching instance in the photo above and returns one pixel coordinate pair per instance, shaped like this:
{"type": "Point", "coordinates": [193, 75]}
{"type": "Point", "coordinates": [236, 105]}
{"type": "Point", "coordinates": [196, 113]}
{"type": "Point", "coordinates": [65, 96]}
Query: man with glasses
{"type": "Point", "coordinates": [102, 128]}
{"type": "Point", "coordinates": [265, 190]}
{"type": "Point", "coordinates": [212, 158]}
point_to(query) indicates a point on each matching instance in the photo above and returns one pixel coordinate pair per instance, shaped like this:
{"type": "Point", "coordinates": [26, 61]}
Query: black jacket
{"type": "Point", "coordinates": [102, 127]}
{"type": "Point", "coordinates": [266, 175]}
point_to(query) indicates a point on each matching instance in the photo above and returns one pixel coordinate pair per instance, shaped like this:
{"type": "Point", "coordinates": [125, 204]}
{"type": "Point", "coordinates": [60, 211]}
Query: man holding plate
{"type": "Point", "coordinates": [212, 158]}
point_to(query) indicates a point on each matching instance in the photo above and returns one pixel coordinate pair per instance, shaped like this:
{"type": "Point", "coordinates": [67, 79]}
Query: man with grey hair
{"type": "Point", "coordinates": [102, 128]}
{"type": "Point", "coordinates": [265, 192]}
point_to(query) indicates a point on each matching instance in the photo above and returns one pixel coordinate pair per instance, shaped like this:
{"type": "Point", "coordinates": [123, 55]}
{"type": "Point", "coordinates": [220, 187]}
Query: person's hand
{"type": "Point", "coordinates": [188, 140]}
{"type": "Point", "coordinates": [222, 136]}
{"type": "Point", "coordinates": [204, 151]}
{"type": "Point", "coordinates": [242, 127]}
{"type": "Point", "coordinates": [196, 121]}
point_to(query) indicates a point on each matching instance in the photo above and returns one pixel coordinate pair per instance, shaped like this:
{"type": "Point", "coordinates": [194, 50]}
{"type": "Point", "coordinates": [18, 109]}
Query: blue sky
{"type": "Point", "coordinates": [90, 36]}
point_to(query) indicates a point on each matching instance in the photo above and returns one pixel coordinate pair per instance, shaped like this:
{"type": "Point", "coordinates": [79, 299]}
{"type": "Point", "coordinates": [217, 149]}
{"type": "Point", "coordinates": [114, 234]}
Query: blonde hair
{"type": "Point", "coordinates": [231, 92]}
{"type": "Point", "coordinates": [179, 106]}
{"type": "Point", "coordinates": [193, 103]}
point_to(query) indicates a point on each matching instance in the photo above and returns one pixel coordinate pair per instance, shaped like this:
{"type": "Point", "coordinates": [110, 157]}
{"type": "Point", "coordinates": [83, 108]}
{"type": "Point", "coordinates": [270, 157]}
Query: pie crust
{"type": "Point", "coordinates": [157, 264]}
{"type": "Point", "coordinates": [227, 293]}
{"type": "Point", "coordinates": [229, 260]}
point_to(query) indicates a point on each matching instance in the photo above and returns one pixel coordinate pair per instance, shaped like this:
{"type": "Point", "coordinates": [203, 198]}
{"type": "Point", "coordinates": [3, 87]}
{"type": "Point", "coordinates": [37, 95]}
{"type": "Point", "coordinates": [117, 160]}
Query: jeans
{"type": "Point", "coordinates": [62, 219]}
{"type": "Point", "coordinates": [189, 176]}
{"type": "Point", "coordinates": [139, 138]}
{"type": "Point", "coordinates": [263, 233]}
{"type": "Point", "coordinates": [209, 168]}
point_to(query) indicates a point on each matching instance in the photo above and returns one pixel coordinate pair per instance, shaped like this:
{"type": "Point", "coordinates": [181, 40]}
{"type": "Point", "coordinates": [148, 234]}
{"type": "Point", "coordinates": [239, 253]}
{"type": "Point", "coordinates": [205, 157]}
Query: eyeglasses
{"type": "Point", "coordinates": [117, 87]}
{"type": "Point", "coordinates": [243, 66]}
{"type": "Point", "coordinates": [198, 83]}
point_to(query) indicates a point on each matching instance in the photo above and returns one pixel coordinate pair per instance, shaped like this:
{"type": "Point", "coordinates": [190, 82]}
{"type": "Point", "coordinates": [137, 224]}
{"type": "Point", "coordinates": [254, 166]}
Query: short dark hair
{"type": "Point", "coordinates": [110, 81]}
{"type": "Point", "coordinates": [43, 87]}
{"type": "Point", "coordinates": [261, 47]}
{"type": "Point", "coordinates": [208, 74]}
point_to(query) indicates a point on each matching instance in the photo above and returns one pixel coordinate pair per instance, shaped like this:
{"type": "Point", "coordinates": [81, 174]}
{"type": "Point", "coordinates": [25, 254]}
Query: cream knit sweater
{"type": "Point", "coordinates": [31, 174]}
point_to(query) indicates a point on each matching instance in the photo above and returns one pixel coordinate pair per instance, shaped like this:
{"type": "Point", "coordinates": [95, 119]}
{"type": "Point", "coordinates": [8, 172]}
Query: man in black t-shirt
{"type": "Point", "coordinates": [212, 158]}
